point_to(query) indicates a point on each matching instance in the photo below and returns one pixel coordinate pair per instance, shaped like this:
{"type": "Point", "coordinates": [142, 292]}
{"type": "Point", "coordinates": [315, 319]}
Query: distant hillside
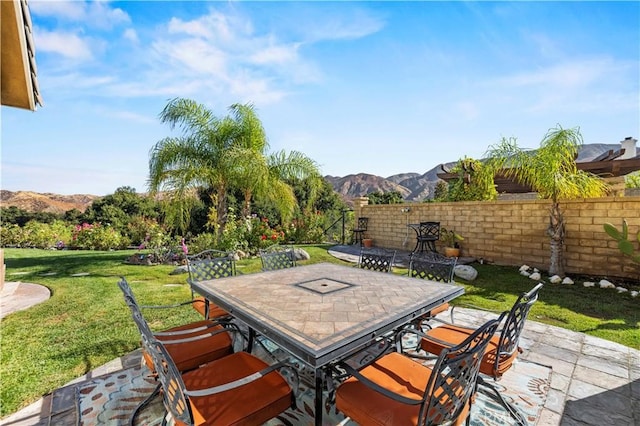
{"type": "Point", "coordinates": [417, 187]}
{"type": "Point", "coordinates": [51, 203]}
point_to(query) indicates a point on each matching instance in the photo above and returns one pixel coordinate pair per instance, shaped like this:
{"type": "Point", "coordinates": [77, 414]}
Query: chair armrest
{"type": "Point", "coordinates": [245, 381]}
{"type": "Point", "coordinates": [192, 338]}
{"type": "Point", "coordinates": [415, 354]}
{"type": "Point", "coordinates": [174, 305]}
{"type": "Point", "coordinates": [464, 305]}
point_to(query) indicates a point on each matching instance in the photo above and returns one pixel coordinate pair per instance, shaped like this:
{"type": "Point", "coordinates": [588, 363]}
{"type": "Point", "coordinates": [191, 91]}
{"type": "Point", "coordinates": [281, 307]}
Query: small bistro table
{"type": "Point", "coordinates": [324, 312]}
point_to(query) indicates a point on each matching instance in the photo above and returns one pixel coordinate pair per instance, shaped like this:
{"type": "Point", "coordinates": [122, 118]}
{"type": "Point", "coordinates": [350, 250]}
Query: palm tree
{"type": "Point", "coordinates": [552, 172]}
{"type": "Point", "coordinates": [217, 155]}
{"type": "Point", "coordinates": [197, 159]}
{"type": "Point", "coordinates": [258, 173]}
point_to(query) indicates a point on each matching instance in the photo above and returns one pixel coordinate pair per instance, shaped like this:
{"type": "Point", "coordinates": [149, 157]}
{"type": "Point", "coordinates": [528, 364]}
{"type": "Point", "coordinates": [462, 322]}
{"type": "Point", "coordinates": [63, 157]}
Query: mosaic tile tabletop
{"type": "Point", "coordinates": [322, 306]}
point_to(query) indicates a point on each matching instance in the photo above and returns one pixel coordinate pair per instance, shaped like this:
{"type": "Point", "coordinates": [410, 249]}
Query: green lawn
{"type": "Point", "coordinates": [85, 323]}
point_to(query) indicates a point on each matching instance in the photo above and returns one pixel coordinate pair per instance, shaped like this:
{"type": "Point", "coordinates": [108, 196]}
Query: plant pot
{"type": "Point", "coordinates": [367, 242]}
{"type": "Point", "coordinates": [452, 252]}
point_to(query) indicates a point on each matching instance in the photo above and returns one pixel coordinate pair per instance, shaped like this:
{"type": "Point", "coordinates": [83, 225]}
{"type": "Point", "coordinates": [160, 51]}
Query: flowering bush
{"type": "Point", "coordinates": [97, 237]}
{"type": "Point", "coordinates": [306, 228]}
{"type": "Point", "coordinates": [260, 235]}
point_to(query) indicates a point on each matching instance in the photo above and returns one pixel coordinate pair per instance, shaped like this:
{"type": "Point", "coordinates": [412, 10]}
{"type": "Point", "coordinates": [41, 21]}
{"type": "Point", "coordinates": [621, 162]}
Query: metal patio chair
{"type": "Point", "coordinates": [237, 389]}
{"type": "Point", "coordinates": [277, 257]}
{"type": "Point", "coordinates": [427, 235]}
{"type": "Point", "coordinates": [434, 267]}
{"type": "Point", "coordinates": [209, 265]}
{"type": "Point", "coordinates": [395, 389]}
{"type": "Point", "coordinates": [503, 348]}
{"type": "Point", "coordinates": [360, 229]}
{"type": "Point", "coordinates": [190, 345]}
{"type": "Point", "coordinates": [376, 260]}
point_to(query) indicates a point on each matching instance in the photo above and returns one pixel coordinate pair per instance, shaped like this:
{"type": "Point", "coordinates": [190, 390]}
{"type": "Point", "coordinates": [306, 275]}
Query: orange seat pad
{"type": "Point", "coordinates": [252, 404]}
{"type": "Point", "coordinates": [455, 335]}
{"type": "Point", "coordinates": [190, 355]}
{"type": "Point", "coordinates": [398, 374]}
{"type": "Point", "coordinates": [215, 311]}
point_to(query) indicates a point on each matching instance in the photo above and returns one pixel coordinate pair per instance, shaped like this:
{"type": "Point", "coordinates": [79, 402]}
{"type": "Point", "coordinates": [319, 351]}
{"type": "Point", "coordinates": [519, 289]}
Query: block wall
{"type": "Point", "coordinates": [513, 232]}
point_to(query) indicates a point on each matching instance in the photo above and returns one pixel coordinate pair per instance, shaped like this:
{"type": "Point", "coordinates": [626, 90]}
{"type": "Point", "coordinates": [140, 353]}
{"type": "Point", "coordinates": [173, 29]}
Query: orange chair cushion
{"type": "Point", "coordinates": [215, 311]}
{"type": "Point", "coordinates": [252, 404]}
{"type": "Point", "coordinates": [439, 309]}
{"type": "Point", "coordinates": [190, 355]}
{"type": "Point", "coordinates": [454, 335]}
{"type": "Point", "coordinates": [398, 374]}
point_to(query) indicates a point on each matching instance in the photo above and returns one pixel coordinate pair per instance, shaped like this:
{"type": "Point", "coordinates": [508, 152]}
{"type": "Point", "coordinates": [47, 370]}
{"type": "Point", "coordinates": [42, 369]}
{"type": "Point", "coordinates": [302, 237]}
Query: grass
{"type": "Point", "coordinates": [86, 324]}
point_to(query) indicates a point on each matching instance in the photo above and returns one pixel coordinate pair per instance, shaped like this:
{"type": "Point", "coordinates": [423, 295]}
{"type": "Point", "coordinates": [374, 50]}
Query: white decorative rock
{"type": "Point", "coordinates": [536, 270]}
{"type": "Point", "coordinates": [466, 272]}
{"type": "Point", "coordinates": [634, 293]}
{"type": "Point", "coordinates": [567, 280]}
{"type": "Point", "coordinates": [182, 269]}
{"type": "Point", "coordinates": [606, 284]}
{"type": "Point", "coordinates": [589, 284]}
{"type": "Point", "coordinates": [525, 273]}
{"type": "Point", "coordinates": [555, 279]}
{"type": "Point", "coordinates": [535, 276]}
{"type": "Point", "coordinates": [621, 289]}
{"type": "Point", "coordinates": [524, 268]}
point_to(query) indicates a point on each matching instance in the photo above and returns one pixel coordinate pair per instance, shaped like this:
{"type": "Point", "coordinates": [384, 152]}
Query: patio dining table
{"type": "Point", "coordinates": [324, 312]}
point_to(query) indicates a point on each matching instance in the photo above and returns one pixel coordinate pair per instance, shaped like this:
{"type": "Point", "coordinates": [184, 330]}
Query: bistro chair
{"type": "Point", "coordinates": [190, 345]}
{"type": "Point", "coordinates": [434, 267]}
{"type": "Point", "coordinates": [209, 265]}
{"type": "Point", "coordinates": [395, 389]}
{"type": "Point", "coordinates": [427, 235]}
{"type": "Point", "coordinates": [376, 260]}
{"type": "Point", "coordinates": [237, 389]}
{"type": "Point", "coordinates": [503, 348]}
{"type": "Point", "coordinates": [360, 229]}
{"type": "Point", "coordinates": [277, 257]}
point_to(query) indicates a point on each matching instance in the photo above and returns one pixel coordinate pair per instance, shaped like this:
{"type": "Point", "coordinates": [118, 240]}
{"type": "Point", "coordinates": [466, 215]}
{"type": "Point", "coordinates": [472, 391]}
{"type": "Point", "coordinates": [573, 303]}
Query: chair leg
{"type": "Point", "coordinates": [143, 404]}
{"type": "Point", "coordinates": [513, 411]}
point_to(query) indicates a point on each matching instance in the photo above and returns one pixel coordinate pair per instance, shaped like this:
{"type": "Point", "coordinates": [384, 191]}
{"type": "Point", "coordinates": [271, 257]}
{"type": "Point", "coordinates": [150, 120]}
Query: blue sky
{"type": "Point", "coordinates": [372, 87]}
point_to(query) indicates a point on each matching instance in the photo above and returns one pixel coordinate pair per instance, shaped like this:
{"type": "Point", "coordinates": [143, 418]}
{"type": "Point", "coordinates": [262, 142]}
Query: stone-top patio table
{"type": "Point", "coordinates": [325, 312]}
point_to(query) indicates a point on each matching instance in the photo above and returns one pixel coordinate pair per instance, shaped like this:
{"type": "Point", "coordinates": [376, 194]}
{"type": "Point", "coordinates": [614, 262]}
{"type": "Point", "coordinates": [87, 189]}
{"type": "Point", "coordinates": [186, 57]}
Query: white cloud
{"type": "Point", "coordinates": [131, 35]}
{"type": "Point", "coordinates": [97, 14]}
{"type": "Point", "coordinates": [352, 24]}
{"type": "Point", "coordinates": [566, 75]}
{"type": "Point", "coordinates": [67, 44]}
{"type": "Point", "coordinates": [69, 10]}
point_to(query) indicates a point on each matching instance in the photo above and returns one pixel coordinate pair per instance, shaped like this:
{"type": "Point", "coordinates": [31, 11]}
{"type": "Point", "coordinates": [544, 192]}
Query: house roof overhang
{"type": "Point", "coordinates": [607, 167]}
{"type": "Point", "coordinates": [18, 64]}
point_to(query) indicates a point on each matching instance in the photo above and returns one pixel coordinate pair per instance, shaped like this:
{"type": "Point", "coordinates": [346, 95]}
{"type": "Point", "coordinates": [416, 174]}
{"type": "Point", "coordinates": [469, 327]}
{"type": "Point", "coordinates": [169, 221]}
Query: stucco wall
{"type": "Point", "coordinates": [512, 232]}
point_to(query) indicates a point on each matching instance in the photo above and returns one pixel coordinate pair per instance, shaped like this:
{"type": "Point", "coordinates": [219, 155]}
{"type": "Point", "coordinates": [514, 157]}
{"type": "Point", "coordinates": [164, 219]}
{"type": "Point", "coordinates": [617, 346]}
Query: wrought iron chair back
{"type": "Point", "coordinates": [432, 266]}
{"type": "Point", "coordinates": [514, 323]}
{"type": "Point", "coordinates": [454, 377]}
{"type": "Point", "coordinates": [427, 235]}
{"type": "Point", "coordinates": [376, 260]}
{"type": "Point", "coordinates": [278, 257]}
{"type": "Point", "coordinates": [175, 400]}
{"type": "Point", "coordinates": [210, 264]}
{"type": "Point", "coordinates": [360, 229]}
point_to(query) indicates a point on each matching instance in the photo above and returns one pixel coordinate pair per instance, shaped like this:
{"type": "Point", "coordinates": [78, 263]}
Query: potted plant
{"type": "Point", "coordinates": [451, 242]}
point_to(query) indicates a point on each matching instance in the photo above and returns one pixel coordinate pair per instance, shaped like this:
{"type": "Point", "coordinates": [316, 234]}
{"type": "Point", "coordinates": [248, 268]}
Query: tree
{"type": "Point", "coordinates": [220, 155]}
{"type": "Point", "coordinates": [199, 158]}
{"type": "Point", "coordinates": [551, 171]}
{"type": "Point", "coordinates": [391, 197]}
{"type": "Point", "coordinates": [474, 181]}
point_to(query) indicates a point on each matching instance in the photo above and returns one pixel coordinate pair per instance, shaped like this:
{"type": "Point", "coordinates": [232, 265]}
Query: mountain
{"type": "Point", "coordinates": [418, 187]}
{"type": "Point", "coordinates": [51, 203]}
